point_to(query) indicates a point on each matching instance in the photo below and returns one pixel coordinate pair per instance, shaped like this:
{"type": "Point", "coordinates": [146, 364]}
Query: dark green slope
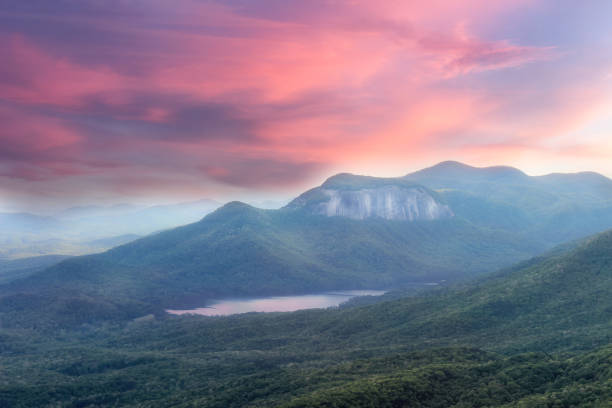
{"type": "Point", "coordinates": [13, 269]}
{"type": "Point", "coordinates": [241, 250]}
{"type": "Point", "coordinates": [440, 378]}
{"type": "Point", "coordinates": [356, 356]}
{"type": "Point", "coordinates": [544, 325]}
{"type": "Point", "coordinates": [558, 302]}
{"type": "Point", "coordinates": [466, 378]}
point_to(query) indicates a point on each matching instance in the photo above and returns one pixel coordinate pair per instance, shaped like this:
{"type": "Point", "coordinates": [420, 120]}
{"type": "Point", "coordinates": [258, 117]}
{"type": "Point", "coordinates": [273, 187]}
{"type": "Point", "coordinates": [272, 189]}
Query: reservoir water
{"type": "Point", "coordinates": [277, 303]}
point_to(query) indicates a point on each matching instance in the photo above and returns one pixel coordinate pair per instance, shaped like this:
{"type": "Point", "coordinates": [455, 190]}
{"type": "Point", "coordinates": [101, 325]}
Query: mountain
{"type": "Point", "coordinates": [463, 174]}
{"type": "Point", "coordinates": [449, 222]}
{"type": "Point", "coordinates": [110, 242]}
{"type": "Point", "coordinates": [27, 222]}
{"type": "Point", "coordinates": [13, 269]}
{"type": "Point", "coordinates": [551, 302]}
{"type": "Point", "coordinates": [129, 219]}
{"type": "Point", "coordinates": [542, 330]}
{"type": "Point", "coordinates": [86, 211]}
{"type": "Point", "coordinates": [556, 302]}
{"type": "Point", "coordinates": [89, 229]}
{"type": "Point", "coordinates": [361, 197]}
{"type": "Point", "coordinates": [554, 208]}
{"type": "Point", "coordinates": [239, 250]}
{"type": "Point", "coordinates": [537, 334]}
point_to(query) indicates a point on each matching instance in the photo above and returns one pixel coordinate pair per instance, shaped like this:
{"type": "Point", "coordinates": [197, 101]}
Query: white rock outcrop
{"type": "Point", "coordinates": [388, 202]}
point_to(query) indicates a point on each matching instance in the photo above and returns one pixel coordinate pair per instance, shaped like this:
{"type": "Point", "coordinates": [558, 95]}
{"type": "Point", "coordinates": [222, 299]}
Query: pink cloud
{"type": "Point", "coordinates": [210, 92]}
{"type": "Point", "coordinates": [28, 134]}
{"type": "Point", "coordinates": [35, 77]}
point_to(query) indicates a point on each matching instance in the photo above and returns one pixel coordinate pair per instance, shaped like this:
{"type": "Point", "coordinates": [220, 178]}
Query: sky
{"type": "Point", "coordinates": [157, 101]}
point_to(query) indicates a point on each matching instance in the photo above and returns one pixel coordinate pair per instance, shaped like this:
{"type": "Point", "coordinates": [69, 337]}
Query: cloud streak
{"type": "Point", "coordinates": [227, 95]}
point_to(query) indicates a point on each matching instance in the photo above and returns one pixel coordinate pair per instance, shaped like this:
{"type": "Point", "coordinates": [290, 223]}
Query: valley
{"type": "Point", "coordinates": [539, 331]}
{"type": "Point", "coordinates": [489, 218]}
{"type": "Point", "coordinates": [510, 312]}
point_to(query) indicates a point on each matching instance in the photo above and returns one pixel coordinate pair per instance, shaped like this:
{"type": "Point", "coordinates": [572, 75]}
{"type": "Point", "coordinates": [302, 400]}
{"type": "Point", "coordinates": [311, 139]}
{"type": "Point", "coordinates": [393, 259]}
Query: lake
{"type": "Point", "coordinates": [277, 303]}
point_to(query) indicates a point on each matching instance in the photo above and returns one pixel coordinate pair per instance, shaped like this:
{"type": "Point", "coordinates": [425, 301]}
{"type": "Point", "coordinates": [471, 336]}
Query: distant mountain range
{"type": "Point", "coordinates": [447, 222]}
{"type": "Point", "coordinates": [81, 230]}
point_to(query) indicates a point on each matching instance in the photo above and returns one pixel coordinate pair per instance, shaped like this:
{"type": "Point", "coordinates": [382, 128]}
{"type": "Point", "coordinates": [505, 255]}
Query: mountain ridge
{"type": "Point", "coordinates": [536, 333]}
{"type": "Point", "coordinates": [240, 250]}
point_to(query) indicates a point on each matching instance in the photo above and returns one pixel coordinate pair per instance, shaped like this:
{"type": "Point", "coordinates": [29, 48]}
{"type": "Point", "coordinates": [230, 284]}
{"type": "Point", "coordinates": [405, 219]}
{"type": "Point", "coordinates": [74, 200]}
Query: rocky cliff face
{"type": "Point", "coordinates": [361, 198]}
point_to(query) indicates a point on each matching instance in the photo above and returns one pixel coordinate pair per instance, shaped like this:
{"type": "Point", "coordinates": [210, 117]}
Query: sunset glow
{"type": "Point", "coordinates": [158, 100]}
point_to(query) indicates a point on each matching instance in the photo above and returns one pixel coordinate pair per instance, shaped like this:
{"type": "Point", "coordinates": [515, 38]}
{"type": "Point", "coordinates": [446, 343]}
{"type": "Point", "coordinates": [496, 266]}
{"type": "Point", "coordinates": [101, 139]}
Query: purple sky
{"type": "Point", "coordinates": [159, 101]}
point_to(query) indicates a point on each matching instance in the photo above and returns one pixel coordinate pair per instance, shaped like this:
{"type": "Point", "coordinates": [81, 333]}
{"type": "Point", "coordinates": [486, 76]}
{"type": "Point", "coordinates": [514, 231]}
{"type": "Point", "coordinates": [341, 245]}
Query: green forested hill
{"type": "Point", "coordinates": [554, 208]}
{"type": "Point", "coordinates": [464, 222]}
{"type": "Point", "coordinates": [13, 269]}
{"type": "Point", "coordinates": [465, 378]}
{"type": "Point", "coordinates": [558, 302]}
{"type": "Point", "coordinates": [534, 335]}
{"type": "Point", "coordinates": [440, 378]}
{"type": "Point", "coordinates": [91, 332]}
{"type": "Point", "coordinates": [241, 250]}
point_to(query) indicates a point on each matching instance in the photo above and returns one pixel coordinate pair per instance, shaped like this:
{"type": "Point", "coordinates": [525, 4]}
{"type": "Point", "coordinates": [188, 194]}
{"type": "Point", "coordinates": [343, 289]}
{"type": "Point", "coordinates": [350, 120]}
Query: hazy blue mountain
{"type": "Point", "coordinates": [111, 242]}
{"type": "Point", "coordinates": [554, 208]}
{"type": "Point", "coordinates": [239, 250]}
{"type": "Point", "coordinates": [511, 186]}
{"type": "Point", "coordinates": [268, 204]}
{"type": "Point", "coordinates": [89, 229]}
{"type": "Point", "coordinates": [352, 232]}
{"type": "Point", "coordinates": [27, 223]}
{"type": "Point", "coordinates": [87, 211]}
{"type": "Point", "coordinates": [130, 219]}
